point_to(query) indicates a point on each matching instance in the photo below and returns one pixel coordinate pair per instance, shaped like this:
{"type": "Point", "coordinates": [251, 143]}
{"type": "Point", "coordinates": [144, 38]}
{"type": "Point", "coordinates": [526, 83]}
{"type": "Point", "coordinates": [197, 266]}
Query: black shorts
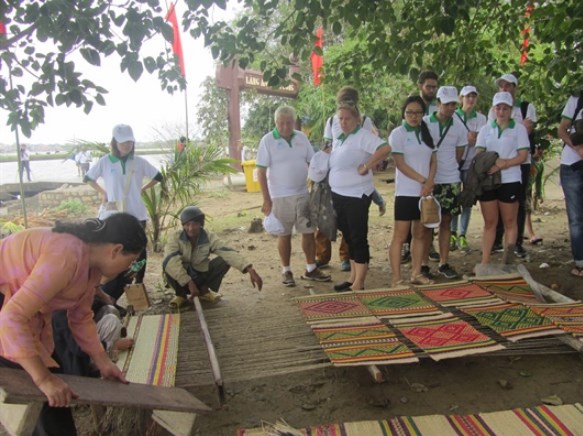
{"type": "Point", "coordinates": [407, 208]}
{"type": "Point", "coordinates": [506, 193]}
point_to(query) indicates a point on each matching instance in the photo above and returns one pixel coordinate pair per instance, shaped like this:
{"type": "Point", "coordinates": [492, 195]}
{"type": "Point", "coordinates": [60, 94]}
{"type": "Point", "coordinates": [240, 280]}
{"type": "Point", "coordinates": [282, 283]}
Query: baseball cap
{"type": "Point", "coordinates": [123, 133]}
{"type": "Point", "coordinates": [502, 98]}
{"type": "Point", "coordinates": [510, 78]}
{"type": "Point", "coordinates": [466, 90]}
{"type": "Point", "coordinates": [447, 94]}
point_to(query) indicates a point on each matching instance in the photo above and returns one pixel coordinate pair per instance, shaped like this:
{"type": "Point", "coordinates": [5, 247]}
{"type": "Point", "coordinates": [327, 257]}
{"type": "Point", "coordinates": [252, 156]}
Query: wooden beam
{"type": "Point", "coordinates": [210, 349]}
{"type": "Point", "coordinates": [16, 387]}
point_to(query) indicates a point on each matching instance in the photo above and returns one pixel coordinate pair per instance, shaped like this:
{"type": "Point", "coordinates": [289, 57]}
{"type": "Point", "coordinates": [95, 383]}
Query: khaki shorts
{"type": "Point", "coordinates": [293, 211]}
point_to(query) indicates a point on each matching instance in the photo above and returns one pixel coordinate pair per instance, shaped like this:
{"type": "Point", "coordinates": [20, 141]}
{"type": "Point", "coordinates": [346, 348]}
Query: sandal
{"type": "Point", "coordinates": [420, 279]}
{"type": "Point", "coordinates": [577, 271]}
{"type": "Point", "coordinates": [535, 240]}
{"type": "Point", "coordinates": [177, 302]}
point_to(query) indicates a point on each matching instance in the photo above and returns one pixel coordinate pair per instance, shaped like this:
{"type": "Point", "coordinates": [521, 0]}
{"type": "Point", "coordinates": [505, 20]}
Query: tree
{"type": "Point", "coordinates": [42, 37]}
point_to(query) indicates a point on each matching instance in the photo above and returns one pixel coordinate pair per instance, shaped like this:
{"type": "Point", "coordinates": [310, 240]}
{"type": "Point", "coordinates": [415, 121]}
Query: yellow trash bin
{"type": "Point", "coordinates": [251, 177]}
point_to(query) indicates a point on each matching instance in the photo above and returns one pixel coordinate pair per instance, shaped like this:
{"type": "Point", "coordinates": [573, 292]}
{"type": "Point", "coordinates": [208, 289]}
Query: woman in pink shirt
{"type": "Point", "coordinates": [43, 270]}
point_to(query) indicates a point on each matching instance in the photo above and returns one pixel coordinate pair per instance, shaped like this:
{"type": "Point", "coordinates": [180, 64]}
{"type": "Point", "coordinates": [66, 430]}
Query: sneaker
{"type": "Point", "coordinates": [211, 297]}
{"type": "Point", "coordinates": [520, 252]}
{"type": "Point", "coordinates": [288, 279]}
{"type": "Point", "coordinates": [427, 272]}
{"type": "Point", "coordinates": [497, 248]}
{"type": "Point", "coordinates": [405, 254]}
{"type": "Point", "coordinates": [453, 243]}
{"type": "Point", "coordinates": [320, 264]}
{"type": "Point", "coordinates": [345, 265]}
{"type": "Point", "coordinates": [317, 275]}
{"type": "Point", "coordinates": [447, 271]}
{"type": "Point", "coordinates": [433, 255]}
{"type": "Point", "coordinates": [462, 243]}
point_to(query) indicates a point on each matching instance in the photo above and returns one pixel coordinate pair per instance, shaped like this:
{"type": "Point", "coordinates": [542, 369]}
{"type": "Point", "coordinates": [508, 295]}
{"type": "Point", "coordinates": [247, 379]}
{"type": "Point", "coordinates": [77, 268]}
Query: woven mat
{"type": "Point", "coordinates": [362, 341]}
{"type": "Point", "coordinates": [447, 337]}
{"type": "Point", "coordinates": [513, 321]}
{"type": "Point", "coordinates": [459, 294]}
{"type": "Point", "coordinates": [397, 303]}
{"type": "Point", "coordinates": [152, 360]}
{"type": "Point", "coordinates": [317, 308]}
{"type": "Point", "coordinates": [510, 288]}
{"type": "Point", "coordinates": [568, 316]}
{"type": "Point", "coordinates": [541, 420]}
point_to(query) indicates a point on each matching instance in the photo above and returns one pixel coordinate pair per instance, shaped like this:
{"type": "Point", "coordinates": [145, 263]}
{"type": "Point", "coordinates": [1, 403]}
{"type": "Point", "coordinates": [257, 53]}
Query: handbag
{"type": "Point", "coordinates": [322, 214]}
{"type": "Point", "coordinates": [430, 211]}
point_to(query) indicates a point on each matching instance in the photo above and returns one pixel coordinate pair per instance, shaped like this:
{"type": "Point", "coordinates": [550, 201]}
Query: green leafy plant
{"type": "Point", "coordinates": [9, 228]}
{"type": "Point", "coordinates": [183, 178]}
{"type": "Point", "coordinates": [73, 207]}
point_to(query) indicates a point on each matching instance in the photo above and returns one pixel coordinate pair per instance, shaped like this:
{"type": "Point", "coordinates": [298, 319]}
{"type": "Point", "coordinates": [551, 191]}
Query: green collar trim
{"type": "Point", "coordinates": [123, 161]}
{"type": "Point", "coordinates": [511, 125]}
{"type": "Point", "coordinates": [473, 114]}
{"type": "Point", "coordinates": [343, 136]}
{"type": "Point", "coordinates": [277, 135]}
{"type": "Point", "coordinates": [410, 128]}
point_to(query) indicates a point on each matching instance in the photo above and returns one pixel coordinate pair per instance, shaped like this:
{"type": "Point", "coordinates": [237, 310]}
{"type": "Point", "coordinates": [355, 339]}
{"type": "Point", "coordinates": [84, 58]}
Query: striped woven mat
{"type": "Point", "coordinates": [459, 294]}
{"type": "Point", "coordinates": [542, 420]}
{"type": "Point", "coordinates": [152, 360]}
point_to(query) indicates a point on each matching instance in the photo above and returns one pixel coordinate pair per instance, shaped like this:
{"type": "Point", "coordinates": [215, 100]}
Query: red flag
{"type": "Point", "coordinates": [176, 44]}
{"type": "Point", "coordinates": [525, 34]}
{"type": "Point", "coordinates": [2, 28]}
{"type": "Point", "coordinates": [317, 60]}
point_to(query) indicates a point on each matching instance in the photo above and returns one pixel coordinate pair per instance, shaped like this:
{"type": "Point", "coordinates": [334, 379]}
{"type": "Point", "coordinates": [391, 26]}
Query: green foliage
{"type": "Point", "coordinates": [212, 114]}
{"type": "Point", "coordinates": [42, 36]}
{"type": "Point", "coordinates": [9, 228]}
{"type": "Point", "coordinates": [73, 207]}
{"type": "Point", "coordinates": [183, 178]}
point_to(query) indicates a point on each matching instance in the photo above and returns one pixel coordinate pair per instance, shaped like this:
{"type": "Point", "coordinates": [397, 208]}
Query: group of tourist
{"type": "Point", "coordinates": [444, 146]}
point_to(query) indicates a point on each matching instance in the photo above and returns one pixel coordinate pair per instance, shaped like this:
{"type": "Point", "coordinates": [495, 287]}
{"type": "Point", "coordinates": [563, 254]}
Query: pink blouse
{"type": "Point", "coordinates": [41, 272]}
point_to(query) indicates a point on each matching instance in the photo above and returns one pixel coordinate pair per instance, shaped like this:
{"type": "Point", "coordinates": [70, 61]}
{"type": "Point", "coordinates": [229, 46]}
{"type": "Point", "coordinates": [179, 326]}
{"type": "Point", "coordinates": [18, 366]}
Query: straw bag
{"type": "Point", "coordinates": [430, 211]}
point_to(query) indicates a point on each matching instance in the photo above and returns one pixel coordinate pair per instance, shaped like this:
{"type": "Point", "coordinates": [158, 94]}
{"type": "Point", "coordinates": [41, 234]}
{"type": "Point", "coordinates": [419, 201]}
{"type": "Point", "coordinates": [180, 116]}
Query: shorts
{"type": "Point", "coordinates": [293, 211]}
{"type": "Point", "coordinates": [506, 193]}
{"type": "Point", "coordinates": [407, 208]}
{"type": "Point", "coordinates": [448, 194]}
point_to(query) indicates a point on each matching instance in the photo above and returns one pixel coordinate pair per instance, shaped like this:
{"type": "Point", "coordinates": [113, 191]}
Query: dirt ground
{"type": "Point", "coordinates": [465, 385]}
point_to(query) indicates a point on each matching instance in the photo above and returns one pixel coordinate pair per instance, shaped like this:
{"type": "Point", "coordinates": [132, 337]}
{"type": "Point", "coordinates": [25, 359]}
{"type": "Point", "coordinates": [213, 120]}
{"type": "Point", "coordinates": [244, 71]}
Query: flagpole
{"type": "Point", "coordinates": [186, 109]}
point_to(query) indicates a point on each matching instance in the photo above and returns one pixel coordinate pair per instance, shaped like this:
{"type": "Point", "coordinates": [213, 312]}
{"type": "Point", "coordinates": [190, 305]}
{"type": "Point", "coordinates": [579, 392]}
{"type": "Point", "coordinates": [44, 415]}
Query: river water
{"type": "Point", "coordinates": [57, 170]}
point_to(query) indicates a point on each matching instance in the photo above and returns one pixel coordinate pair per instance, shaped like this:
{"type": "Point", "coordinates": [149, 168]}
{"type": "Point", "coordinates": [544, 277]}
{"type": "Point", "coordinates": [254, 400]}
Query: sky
{"type": "Point", "coordinates": [143, 104]}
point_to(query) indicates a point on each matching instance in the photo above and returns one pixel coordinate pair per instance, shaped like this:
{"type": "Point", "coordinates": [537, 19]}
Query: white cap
{"type": "Point", "coordinates": [123, 133]}
{"type": "Point", "coordinates": [502, 98]}
{"type": "Point", "coordinates": [447, 94]}
{"type": "Point", "coordinates": [466, 90]}
{"type": "Point", "coordinates": [510, 78]}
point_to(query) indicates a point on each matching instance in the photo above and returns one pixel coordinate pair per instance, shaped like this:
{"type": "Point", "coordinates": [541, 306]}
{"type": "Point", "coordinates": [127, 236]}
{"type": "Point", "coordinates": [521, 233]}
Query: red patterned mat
{"type": "Point", "coordinates": [331, 306]}
{"type": "Point", "coordinates": [447, 337]}
{"type": "Point", "coordinates": [568, 316]}
{"type": "Point", "coordinates": [459, 294]}
{"type": "Point", "coordinates": [514, 289]}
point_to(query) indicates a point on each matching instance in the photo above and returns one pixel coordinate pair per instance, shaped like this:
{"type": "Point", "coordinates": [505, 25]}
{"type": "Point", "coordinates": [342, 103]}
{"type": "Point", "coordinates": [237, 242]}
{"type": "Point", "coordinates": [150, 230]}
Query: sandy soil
{"type": "Point", "coordinates": [466, 385]}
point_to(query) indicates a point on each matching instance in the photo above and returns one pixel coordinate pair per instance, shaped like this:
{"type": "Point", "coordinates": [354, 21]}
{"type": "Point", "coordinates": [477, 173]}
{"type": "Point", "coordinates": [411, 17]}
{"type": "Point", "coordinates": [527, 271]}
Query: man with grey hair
{"type": "Point", "coordinates": [282, 163]}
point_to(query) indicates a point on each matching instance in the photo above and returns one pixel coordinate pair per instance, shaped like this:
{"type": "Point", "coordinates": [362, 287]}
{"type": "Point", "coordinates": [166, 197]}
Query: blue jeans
{"type": "Point", "coordinates": [572, 183]}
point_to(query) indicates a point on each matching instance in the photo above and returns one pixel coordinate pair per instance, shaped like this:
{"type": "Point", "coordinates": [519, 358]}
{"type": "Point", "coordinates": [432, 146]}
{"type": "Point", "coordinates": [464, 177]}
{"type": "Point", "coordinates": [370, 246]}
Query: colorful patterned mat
{"type": "Point", "coordinates": [152, 360]}
{"type": "Point", "coordinates": [513, 321]}
{"type": "Point", "coordinates": [509, 288]}
{"type": "Point", "coordinates": [317, 308]}
{"type": "Point", "coordinates": [568, 316]}
{"type": "Point", "coordinates": [397, 303]}
{"type": "Point", "coordinates": [362, 341]}
{"type": "Point", "coordinates": [541, 420]}
{"type": "Point", "coordinates": [447, 337]}
{"type": "Point", "coordinates": [459, 294]}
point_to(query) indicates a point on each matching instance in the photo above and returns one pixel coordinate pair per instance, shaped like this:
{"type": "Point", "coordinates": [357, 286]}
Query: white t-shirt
{"type": "Point", "coordinates": [351, 151]}
{"type": "Point", "coordinates": [286, 163]}
{"type": "Point", "coordinates": [568, 155]}
{"type": "Point", "coordinates": [517, 116]}
{"type": "Point", "coordinates": [456, 137]}
{"type": "Point", "coordinates": [114, 173]}
{"type": "Point", "coordinates": [506, 143]}
{"type": "Point", "coordinates": [473, 123]}
{"type": "Point", "coordinates": [332, 130]}
{"type": "Point", "coordinates": [406, 141]}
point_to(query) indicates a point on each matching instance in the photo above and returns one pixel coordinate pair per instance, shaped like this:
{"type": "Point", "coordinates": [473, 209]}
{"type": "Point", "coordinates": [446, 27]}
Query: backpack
{"type": "Point", "coordinates": [579, 106]}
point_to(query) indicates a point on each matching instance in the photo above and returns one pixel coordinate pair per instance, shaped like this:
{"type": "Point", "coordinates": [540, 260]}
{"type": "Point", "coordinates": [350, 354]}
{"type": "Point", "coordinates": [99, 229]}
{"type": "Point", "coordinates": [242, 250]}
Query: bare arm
{"type": "Point", "coordinates": [99, 190]}
{"type": "Point", "coordinates": [379, 155]}
{"type": "Point", "coordinates": [267, 203]}
{"type": "Point", "coordinates": [149, 185]}
{"type": "Point", "coordinates": [563, 131]}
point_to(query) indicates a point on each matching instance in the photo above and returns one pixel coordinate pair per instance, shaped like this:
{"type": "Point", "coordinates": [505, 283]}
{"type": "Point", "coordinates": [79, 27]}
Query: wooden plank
{"type": "Point", "coordinates": [16, 387]}
{"type": "Point", "coordinates": [177, 423]}
{"type": "Point", "coordinates": [20, 419]}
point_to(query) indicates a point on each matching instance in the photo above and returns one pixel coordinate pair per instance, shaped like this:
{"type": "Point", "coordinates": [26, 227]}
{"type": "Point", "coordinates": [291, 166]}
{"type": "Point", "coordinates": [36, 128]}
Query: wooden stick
{"type": "Point", "coordinates": [554, 297]}
{"type": "Point", "coordinates": [211, 350]}
{"type": "Point", "coordinates": [376, 373]}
